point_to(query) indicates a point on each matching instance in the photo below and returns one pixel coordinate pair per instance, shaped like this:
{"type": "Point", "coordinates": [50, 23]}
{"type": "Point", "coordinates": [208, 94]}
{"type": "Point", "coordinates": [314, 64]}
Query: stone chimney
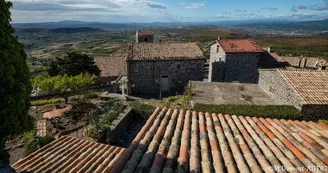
{"type": "Point", "coordinates": [305, 61]}
{"type": "Point", "coordinates": [269, 49]}
{"type": "Point", "coordinates": [300, 61]}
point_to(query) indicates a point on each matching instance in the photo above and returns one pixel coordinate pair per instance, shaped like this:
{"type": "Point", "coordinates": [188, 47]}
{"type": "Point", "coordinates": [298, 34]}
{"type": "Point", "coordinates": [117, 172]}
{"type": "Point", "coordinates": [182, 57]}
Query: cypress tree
{"type": "Point", "coordinates": [15, 86]}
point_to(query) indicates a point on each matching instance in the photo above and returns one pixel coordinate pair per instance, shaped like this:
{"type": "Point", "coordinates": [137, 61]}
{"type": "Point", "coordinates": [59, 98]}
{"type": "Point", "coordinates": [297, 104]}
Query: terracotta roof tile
{"type": "Point", "coordinates": [184, 141]}
{"type": "Point", "coordinates": [311, 85]}
{"type": "Point", "coordinates": [111, 66]}
{"type": "Point", "coordinates": [235, 45]}
{"type": "Point", "coordinates": [68, 154]}
{"type": "Point", "coordinates": [164, 51]}
{"type": "Point", "coordinates": [56, 113]}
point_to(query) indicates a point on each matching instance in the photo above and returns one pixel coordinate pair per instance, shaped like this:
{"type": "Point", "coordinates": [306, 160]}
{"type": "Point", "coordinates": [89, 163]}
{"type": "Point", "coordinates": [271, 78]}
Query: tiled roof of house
{"type": "Point", "coordinates": [164, 51]}
{"type": "Point", "coordinates": [185, 141]}
{"type": "Point", "coordinates": [68, 154]}
{"type": "Point", "coordinates": [234, 45]}
{"type": "Point", "coordinates": [311, 62]}
{"type": "Point", "coordinates": [144, 32]}
{"type": "Point", "coordinates": [111, 66]}
{"type": "Point", "coordinates": [56, 113]}
{"type": "Point", "coordinates": [311, 85]}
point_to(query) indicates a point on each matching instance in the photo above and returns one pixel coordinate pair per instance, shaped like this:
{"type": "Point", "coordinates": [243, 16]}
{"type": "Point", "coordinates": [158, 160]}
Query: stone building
{"type": "Point", "coordinates": [163, 67]}
{"type": "Point", "coordinates": [234, 60]}
{"type": "Point", "coordinates": [307, 90]}
{"type": "Point", "coordinates": [144, 36]}
{"type": "Point", "coordinates": [113, 71]}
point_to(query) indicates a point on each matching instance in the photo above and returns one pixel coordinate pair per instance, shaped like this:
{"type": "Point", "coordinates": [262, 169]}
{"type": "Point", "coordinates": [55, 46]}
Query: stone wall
{"type": "Point", "coordinates": [229, 67]}
{"type": "Point", "coordinates": [242, 67]}
{"type": "Point", "coordinates": [217, 64]}
{"type": "Point", "coordinates": [119, 125]}
{"type": "Point", "coordinates": [144, 76]}
{"type": "Point", "coordinates": [273, 82]}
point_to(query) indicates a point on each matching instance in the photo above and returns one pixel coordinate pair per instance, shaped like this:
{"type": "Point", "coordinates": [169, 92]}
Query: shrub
{"type": "Point", "coordinates": [143, 109]}
{"type": "Point", "coordinates": [80, 109]}
{"type": "Point", "coordinates": [176, 101]}
{"type": "Point", "coordinates": [241, 87]}
{"type": "Point", "coordinates": [90, 96]}
{"type": "Point", "coordinates": [246, 97]}
{"type": "Point", "coordinates": [27, 136]}
{"type": "Point", "coordinates": [46, 140]}
{"type": "Point", "coordinates": [30, 147]}
{"type": "Point", "coordinates": [265, 111]}
{"type": "Point", "coordinates": [33, 144]}
{"type": "Point", "coordinates": [44, 102]}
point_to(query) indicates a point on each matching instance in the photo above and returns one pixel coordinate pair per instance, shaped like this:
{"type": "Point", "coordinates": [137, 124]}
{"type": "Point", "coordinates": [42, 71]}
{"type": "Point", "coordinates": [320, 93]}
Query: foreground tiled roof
{"type": "Point", "coordinates": [234, 45]}
{"type": "Point", "coordinates": [111, 66]}
{"type": "Point", "coordinates": [311, 85]}
{"type": "Point", "coordinates": [144, 32]}
{"type": "Point", "coordinates": [184, 141]}
{"type": "Point", "coordinates": [68, 154]}
{"type": "Point", "coordinates": [164, 51]}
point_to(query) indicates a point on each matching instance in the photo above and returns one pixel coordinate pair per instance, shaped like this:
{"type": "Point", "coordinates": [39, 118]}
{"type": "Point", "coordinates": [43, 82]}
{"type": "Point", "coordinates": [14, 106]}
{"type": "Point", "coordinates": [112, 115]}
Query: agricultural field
{"type": "Point", "coordinates": [296, 46]}
{"type": "Point", "coordinates": [44, 45]}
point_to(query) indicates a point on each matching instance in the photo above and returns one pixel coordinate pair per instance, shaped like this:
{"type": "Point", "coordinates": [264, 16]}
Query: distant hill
{"type": "Point", "coordinates": [319, 25]}
{"type": "Point", "coordinates": [75, 30]}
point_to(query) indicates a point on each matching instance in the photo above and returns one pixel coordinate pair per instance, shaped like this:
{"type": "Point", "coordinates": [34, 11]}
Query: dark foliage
{"type": "Point", "coordinates": [36, 143]}
{"type": "Point", "coordinates": [73, 64]}
{"type": "Point", "coordinates": [14, 79]}
{"type": "Point", "coordinates": [265, 111]}
{"type": "Point", "coordinates": [80, 109]}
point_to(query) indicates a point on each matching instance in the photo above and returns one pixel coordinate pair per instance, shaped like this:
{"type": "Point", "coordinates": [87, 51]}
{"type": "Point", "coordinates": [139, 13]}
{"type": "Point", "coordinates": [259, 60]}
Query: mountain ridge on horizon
{"type": "Point", "coordinates": [318, 24]}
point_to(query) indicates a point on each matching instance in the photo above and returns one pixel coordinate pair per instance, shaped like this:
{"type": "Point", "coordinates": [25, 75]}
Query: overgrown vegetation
{"type": "Point", "coordinates": [46, 102]}
{"type": "Point", "coordinates": [265, 111]}
{"type": "Point", "coordinates": [143, 109]}
{"type": "Point", "coordinates": [100, 118]}
{"type": "Point", "coordinates": [246, 96]}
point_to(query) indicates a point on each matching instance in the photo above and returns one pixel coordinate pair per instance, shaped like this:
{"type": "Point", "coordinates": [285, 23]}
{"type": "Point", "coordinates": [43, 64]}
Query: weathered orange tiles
{"type": "Point", "coordinates": [204, 142]}
{"type": "Point", "coordinates": [68, 154]}
{"type": "Point", "coordinates": [175, 140]}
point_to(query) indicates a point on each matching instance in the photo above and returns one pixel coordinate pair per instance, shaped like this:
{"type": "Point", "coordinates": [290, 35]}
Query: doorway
{"type": "Point", "coordinates": [164, 84]}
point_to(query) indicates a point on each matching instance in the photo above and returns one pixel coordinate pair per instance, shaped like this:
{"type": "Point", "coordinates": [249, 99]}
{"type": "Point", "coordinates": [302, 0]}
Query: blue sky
{"type": "Point", "coordinates": [25, 11]}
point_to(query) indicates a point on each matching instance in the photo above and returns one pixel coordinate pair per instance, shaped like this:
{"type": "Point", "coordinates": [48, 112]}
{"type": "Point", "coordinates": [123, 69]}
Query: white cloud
{"type": "Point", "coordinates": [193, 5]}
{"type": "Point", "coordinates": [297, 7]}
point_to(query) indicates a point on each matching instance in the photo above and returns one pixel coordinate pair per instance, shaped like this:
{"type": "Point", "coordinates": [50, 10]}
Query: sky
{"type": "Point", "coordinates": [145, 11]}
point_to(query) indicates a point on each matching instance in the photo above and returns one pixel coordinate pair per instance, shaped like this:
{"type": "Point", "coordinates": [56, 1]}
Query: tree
{"type": "Point", "coordinates": [73, 64]}
{"type": "Point", "coordinates": [15, 86]}
{"type": "Point", "coordinates": [63, 85]}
